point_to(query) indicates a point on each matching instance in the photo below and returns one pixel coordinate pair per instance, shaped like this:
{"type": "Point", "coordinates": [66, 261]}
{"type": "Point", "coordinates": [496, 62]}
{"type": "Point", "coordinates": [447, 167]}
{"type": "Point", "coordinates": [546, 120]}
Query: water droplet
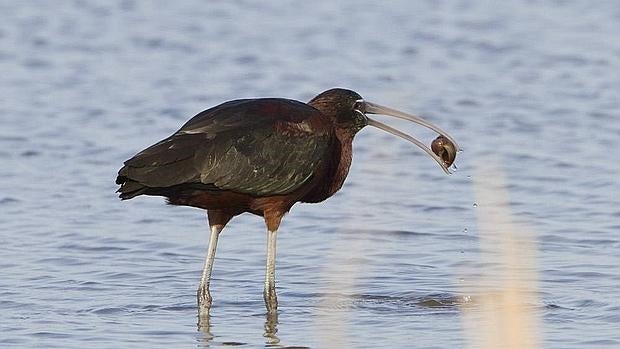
{"type": "Point", "coordinates": [465, 230]}
{"type": "Point", "coordinates": [475, 204]}
{"type": "Point", "coordinates": [469, 177]}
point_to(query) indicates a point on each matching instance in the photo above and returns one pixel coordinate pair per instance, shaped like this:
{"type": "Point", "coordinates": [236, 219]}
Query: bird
{"type": "Point", "coordinates": [262, 156]}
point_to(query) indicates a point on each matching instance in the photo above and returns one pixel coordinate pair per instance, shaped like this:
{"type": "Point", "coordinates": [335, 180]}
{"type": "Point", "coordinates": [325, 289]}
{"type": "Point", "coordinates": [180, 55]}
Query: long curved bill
{"type": "Point", "coordinates": [372, 108]}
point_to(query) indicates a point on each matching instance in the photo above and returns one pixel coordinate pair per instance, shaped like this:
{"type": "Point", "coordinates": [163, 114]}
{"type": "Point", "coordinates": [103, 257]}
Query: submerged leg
{"type": "Point", "coordinates": [203, 295]}
{"type": "Point", "coordinates": [272, 219]}
{"type": "Point", "coordinates": [217, 221]}
{"type": "Point", "coordinates": [271, 328]}
{"type": "Point", "coordinates": [269, 292]}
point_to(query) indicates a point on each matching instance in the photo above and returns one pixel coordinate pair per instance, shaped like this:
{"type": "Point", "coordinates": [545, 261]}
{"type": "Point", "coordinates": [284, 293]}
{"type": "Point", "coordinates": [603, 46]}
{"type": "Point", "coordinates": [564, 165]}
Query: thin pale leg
{"type": "Point", "coordinates": [203, 294]}
{"type": "Point", "coordinates": [269, 292]}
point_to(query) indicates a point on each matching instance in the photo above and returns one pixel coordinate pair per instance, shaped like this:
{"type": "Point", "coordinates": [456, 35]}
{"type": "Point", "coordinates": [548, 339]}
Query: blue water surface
{"type": "Point", "coordinates": [529, 86]}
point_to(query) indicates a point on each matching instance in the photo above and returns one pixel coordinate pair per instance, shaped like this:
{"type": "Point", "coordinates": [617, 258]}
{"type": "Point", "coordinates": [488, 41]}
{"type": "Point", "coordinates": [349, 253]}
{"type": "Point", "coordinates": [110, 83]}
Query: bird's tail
{"type": "Point", "coordinates": [129, 188]}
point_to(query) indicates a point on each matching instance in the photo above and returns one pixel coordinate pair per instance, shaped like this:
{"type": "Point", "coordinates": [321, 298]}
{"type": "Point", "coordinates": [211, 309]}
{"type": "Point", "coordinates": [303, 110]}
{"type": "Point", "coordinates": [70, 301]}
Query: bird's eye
{"type": "Point", "coordinates": [360, 106]}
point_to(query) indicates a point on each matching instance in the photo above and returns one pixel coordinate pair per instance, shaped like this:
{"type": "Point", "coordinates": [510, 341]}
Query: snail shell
{"type": "Point", "coordinates": [445, 149]}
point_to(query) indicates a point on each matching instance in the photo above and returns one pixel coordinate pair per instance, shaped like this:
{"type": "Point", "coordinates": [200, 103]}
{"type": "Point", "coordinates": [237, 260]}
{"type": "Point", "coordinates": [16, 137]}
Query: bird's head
{"type": "Point", "coordinates": [342, 106]}
{"type": "Point", "coordinates": [349, 112]}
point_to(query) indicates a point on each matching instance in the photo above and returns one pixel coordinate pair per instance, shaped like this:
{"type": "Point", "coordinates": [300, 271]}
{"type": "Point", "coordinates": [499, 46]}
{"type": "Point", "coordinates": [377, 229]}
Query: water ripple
{"type": "Point", "coordinates": [85, 85]}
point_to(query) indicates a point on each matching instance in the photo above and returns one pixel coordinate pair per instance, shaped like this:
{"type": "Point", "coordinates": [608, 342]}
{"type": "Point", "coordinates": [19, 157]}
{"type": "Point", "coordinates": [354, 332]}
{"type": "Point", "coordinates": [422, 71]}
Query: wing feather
{"type": "Point", "coordinates": [260, 147]}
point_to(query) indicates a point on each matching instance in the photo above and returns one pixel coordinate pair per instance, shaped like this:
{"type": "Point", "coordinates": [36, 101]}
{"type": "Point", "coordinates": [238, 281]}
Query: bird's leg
{"type": "Point", "coordinates": [269, 293]}
{"type": "Point", "coordinates": [204, 297]}
{"type": "Point", "coordinates": [272, 219]}
{"type": "Point", "coordinates": [217, 221]}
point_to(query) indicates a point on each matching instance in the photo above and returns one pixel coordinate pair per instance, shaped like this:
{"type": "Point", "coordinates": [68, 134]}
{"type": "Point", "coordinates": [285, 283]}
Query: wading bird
{"type": "Point", "coordinates": [262, 156]}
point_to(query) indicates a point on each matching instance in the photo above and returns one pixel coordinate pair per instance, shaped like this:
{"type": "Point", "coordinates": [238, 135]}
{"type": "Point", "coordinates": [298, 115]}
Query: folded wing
{"type": "Point", "coordinates": [259, 147]}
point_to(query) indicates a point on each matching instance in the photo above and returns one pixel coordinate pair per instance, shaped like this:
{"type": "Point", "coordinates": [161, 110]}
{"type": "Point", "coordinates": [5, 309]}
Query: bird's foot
{"type": "Point", "coordinates": [271, 300]}
{"type": "Point", "coordinates": [204, 300]}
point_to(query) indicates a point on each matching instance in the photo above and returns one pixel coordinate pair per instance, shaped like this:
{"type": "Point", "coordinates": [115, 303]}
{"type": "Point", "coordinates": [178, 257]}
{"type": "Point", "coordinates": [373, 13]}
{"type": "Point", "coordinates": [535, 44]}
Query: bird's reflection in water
{"type": "Point", "coordinates": [271, 328]}
{"type": "Point", "coordinates": [204, 326]}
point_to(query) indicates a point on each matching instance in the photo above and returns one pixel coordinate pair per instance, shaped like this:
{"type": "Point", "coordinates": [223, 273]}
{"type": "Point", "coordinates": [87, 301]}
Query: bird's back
{"type": "Point", "coordinates": [256, 147]}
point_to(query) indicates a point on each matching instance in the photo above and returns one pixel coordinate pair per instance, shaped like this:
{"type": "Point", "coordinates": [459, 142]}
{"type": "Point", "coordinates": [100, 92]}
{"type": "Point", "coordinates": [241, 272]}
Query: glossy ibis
{"type": "Point", "coordinates": [262, 156]}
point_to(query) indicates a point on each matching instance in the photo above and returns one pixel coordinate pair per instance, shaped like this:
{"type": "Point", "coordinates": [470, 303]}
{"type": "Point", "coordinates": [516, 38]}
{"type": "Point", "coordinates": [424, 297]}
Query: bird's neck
{"type": "Point", "coordinates": [345, 137]}
{"type": "Point", "coordinates": [336, 168]}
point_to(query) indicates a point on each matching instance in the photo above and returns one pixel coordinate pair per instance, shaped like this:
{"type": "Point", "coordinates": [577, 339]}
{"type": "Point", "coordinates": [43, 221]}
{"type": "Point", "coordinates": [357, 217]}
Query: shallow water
{"type": "Point", "coordinates": [531, 87]}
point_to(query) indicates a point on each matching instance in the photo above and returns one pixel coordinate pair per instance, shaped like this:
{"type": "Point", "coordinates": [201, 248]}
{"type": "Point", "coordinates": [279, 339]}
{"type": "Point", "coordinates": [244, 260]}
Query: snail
{"type": "Point", "coordinates": [445, 149]}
